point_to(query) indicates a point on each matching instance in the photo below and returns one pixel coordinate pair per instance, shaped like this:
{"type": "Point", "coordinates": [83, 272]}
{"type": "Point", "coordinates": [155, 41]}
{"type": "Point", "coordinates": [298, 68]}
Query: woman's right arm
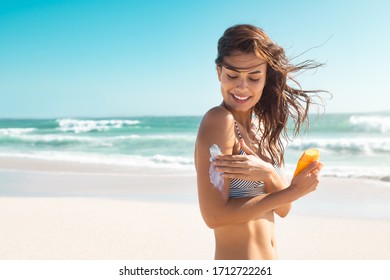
{"type": "Point", "coordinates": [217, 127]}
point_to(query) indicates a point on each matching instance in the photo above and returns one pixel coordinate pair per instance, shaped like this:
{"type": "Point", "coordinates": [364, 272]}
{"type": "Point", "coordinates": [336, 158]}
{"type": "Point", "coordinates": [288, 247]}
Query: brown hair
{"type": "Point", "coordinates": [279, 101]}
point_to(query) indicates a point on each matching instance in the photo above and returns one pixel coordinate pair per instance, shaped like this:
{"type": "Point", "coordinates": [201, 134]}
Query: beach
{"type": "Point", "coordinates": [58, 210]}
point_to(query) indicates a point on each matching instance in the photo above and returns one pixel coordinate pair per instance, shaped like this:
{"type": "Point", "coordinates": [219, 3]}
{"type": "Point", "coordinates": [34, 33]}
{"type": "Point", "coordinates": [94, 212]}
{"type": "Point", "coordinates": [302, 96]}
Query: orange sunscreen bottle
{"type": "Point", "coordinates": [307, 157]}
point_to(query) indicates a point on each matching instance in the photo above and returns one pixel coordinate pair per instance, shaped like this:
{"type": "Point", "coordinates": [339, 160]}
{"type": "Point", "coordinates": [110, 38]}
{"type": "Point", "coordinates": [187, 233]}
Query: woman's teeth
{"type": "Point", "coordinates": [241, 97]}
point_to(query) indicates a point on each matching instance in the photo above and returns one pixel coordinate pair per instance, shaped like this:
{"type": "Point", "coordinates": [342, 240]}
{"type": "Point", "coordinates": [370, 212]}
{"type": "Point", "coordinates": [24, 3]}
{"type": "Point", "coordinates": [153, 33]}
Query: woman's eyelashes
{"type": "Point", "coordinates": [251, 79]}
{"type": "Point", "coordinates": [232, 77]}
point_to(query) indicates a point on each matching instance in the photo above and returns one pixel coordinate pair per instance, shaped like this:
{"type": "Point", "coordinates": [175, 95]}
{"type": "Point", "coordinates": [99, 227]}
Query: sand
{"type": "Point", "coordinates": [53, 210]}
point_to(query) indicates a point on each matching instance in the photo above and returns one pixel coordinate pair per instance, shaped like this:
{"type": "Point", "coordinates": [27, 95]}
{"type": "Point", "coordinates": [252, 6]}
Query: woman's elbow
{"type": "Point", "coordinates": [282, 214]}
{"type": "Point", "coordinates": [283, 211]}
{"type": "Point", "coordinates": [211, 224]}
{"type": "Point", "coordinates": [212, 219]}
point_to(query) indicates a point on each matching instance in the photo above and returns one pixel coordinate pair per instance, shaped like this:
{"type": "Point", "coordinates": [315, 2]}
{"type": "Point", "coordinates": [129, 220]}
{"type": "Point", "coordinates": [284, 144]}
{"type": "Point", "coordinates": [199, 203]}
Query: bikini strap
{"type": "Point", "coordinates": [238, 131]}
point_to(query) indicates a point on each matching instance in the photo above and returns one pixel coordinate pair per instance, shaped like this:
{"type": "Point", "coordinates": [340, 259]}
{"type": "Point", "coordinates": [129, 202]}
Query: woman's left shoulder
{"type": "Point", "coordinates": [218, 117]}
{"type": "Point", "coordinates": [217, 127]}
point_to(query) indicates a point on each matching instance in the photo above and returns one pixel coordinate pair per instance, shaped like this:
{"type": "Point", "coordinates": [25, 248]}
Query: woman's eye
{"type": "Point", "coordinates": [254, 80]}
{"type": "Point", "coordinates": [231, 77]}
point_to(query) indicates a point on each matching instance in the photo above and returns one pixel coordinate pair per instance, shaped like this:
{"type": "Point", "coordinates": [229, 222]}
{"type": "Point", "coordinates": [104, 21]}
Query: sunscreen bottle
{"type": "Point", "coordinates": [307, 157]}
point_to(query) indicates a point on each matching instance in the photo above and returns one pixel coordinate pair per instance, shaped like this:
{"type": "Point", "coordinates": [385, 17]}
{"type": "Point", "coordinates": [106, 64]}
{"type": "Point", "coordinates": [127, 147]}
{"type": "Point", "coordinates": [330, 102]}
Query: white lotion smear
{"type": "Point", "coordinates": [215, 177]}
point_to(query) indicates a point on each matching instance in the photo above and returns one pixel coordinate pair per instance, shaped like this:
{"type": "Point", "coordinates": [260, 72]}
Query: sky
{"type": "Point", "coordinates": [101, 58]}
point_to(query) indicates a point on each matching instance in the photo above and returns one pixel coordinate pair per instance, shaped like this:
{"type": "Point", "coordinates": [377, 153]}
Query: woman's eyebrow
{"type": "Point", "coordinates": [236, 70]}
{"type": "Point", "coordinates": [239, 70]}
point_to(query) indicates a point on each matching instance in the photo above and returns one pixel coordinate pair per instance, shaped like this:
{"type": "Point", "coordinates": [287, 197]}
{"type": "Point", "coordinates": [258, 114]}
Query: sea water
{"type": "Point", "coordinates": [351, 145]}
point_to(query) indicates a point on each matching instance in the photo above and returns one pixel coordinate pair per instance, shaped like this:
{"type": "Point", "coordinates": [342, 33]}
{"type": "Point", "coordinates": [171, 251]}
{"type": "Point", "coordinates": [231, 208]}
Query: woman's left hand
{"type": "Point", "coordinates": [249, 167]}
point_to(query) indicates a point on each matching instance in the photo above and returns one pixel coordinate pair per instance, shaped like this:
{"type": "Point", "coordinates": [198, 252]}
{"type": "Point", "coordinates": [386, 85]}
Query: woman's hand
{"type": "Point", "coordinates": [249, 167]}
{"type": "Point", "coordinates": [307, 180]}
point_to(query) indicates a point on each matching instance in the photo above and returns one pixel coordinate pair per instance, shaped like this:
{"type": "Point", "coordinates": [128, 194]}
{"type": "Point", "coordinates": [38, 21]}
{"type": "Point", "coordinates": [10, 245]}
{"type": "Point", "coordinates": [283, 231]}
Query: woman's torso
{"type": "Point", "coordinates": [251, 240]}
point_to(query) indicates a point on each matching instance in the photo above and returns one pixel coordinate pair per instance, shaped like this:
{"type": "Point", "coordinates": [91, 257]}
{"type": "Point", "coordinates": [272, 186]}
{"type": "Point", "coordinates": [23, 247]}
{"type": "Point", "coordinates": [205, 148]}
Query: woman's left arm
{"type": "Point", "coordinates": [250, 167]}
{"type": "Point", "coordinates": [277, 183]}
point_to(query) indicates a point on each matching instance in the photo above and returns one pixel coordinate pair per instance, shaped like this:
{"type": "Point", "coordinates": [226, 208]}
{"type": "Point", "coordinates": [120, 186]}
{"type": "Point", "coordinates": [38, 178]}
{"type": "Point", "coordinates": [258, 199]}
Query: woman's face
{"type": "Point", "coordinates": [242, 78]}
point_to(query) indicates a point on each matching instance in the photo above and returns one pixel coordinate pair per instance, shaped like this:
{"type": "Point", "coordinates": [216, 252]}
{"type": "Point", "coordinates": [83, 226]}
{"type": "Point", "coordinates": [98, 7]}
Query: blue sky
{"type": "Point", "coordinates": [127, 58]}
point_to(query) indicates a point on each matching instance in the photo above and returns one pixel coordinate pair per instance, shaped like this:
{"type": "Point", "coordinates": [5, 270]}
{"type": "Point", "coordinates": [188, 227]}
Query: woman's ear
{"type": "Point", "coordinates": [219, 72]}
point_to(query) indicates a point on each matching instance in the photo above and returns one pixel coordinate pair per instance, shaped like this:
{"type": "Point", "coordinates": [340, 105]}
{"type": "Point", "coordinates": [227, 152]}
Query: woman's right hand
{"type": "Point", "coordinates": [307, 180]}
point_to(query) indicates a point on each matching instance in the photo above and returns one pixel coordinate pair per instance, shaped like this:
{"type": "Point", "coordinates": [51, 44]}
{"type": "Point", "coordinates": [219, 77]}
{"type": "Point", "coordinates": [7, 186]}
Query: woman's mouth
{"type": "Point", "coordinates": [241, 99]}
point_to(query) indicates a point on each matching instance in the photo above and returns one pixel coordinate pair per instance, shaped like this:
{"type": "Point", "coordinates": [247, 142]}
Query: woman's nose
{"type": "Point", "coordinates": [241, 83]}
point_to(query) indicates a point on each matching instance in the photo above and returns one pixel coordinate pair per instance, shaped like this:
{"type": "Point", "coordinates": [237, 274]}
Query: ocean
{"type": "Point", "coordinates": [351, 145]}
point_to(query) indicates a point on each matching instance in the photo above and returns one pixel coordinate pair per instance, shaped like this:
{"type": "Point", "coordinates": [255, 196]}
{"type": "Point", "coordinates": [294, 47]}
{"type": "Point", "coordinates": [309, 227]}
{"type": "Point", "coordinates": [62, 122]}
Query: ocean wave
{"type": "Point", "coordinates": [168, 137]}
{"type": "Point", "coordinates": [347, 171]}
{"type": "Point", "coordinates": [187, 163]}
{"type": "Point", "coordinates": [366, 172]}
{"type": "Point", "coordinates": [104, 141]}
{"type": "Point", "coordinates": [163, 159]}
{"type": "Point", "coordinates": [58, 139]}
{"type": "Point", "coordinates": [171, 137]}
{"type": "Point", "coordinates": [80, 126]}
{"type": "Point", "coordinates": [15, 131]}
{"type": "Point", "coordinates": [155, 161]}
{"type": "Point", "coordinates": [370, 123]}
{"type": "Point", "coordinates": [357, 145]}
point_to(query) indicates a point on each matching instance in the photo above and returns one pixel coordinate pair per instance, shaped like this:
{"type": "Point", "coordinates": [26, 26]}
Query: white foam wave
{"type": "Point", "coordinates": [183, 163]}
{"type": "Point", "coordinates": [162, 159]}
{"type": "Point", "coordinates": [61, 138]}
{"type": "Point", "coordinates": [79, 126]}
{"type": "Point", "coordinates": [15, 131]}
{"type": "Point", "coordinates": [125, 137]}
{"type": "Point", "coordinates": [52, 138]}
{"type": "Point", "coordinates": [155, 137]}
{"type": "Point", "coordinates": [156, 161]}
{"type": "Point", "coordinates": [171, 137]}
{"type": "Point", "coordinates": [366, 172]}
{"type": "Point", "coordinates": [371, 123]}
{"type": "Point", "coordinates": [348, 171]}
{"type": "Point", "coordinates": [362, 145]}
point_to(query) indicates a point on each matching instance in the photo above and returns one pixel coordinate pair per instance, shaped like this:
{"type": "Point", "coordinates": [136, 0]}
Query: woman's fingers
{"type": "Point", "coordinates": [310, 168]}
{"type": "Point", "coordinates": [233, 170]}
{"type": "Point", "coordinates": [237, 176]}
{"type": "Point", "coordinates": [308, 179]}
{"type": "Point", "coordinates": [231, 157]}
{"type": "Point", "coordinates": [230, 161]}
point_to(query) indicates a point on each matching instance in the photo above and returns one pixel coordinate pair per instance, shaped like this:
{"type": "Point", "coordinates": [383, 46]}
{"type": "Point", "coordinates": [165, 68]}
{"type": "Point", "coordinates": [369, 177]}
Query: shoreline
{"type": "Point", "coordinates": [69, 166]}
{"type": "Point", "coordinates": [62, 211]}
{"type": "Point", "coordinates": [56, 166]}
{"type": "Point", "coordinates": [335, 197]}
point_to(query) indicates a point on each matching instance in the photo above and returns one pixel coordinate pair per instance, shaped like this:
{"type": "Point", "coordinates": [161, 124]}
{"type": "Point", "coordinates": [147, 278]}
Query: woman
{"type": "Point", "coordinates": [248, 127]}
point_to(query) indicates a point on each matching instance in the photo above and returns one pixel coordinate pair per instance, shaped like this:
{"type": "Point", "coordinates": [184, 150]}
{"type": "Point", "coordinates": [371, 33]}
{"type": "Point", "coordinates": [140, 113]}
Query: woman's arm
{"type": "Point", "coordinates": [277, 183]}
{"type": "Point", "coordinates": [251, 167]}
{"type": "Point", "coordinates": [217, 209]}
{"type": "Point", "coordinates": [273, 181]}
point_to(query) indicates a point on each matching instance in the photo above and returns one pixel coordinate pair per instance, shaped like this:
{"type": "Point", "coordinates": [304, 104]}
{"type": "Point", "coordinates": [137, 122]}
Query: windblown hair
{"type": "Point", "coordinates": [279, 101]}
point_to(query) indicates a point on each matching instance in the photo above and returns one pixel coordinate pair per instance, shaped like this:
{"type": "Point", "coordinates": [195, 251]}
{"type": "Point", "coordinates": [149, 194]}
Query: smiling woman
{"type": "Point", "coordinates": [248, 127]}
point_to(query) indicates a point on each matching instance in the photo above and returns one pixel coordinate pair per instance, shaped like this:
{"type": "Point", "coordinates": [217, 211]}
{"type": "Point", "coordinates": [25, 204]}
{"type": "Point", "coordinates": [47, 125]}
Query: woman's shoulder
{"type": "Point", "coordinates": [217, 127]}
{"type": "Point", "coordinates": [218, 116]}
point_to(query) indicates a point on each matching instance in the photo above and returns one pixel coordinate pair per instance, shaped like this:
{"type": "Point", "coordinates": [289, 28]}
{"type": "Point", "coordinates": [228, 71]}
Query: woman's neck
{"type": "Point", "coordinates": [242, 117]}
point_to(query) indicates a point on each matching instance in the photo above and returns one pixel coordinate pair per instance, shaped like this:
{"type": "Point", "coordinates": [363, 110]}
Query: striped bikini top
{"type": "Point", "coordinates": [242, 188]}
